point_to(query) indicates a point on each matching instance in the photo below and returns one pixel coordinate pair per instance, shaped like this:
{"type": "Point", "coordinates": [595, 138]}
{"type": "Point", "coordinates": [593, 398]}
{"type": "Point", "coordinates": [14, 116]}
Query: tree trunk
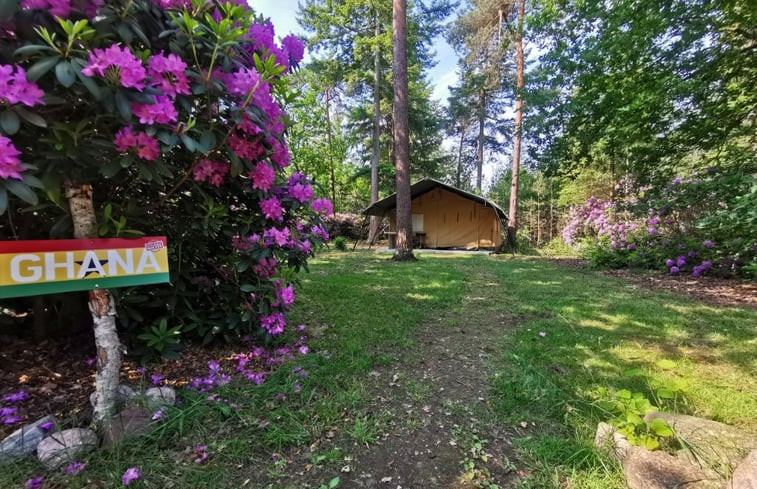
{"type": "Point", "coordinates": [480, 153]}
{"type": "Point", "coordinates": [103, 311]}
{"type": "Point", "coordinates": [375, 220]}
{"type": "Point", "coordinates": [331, 150]}
{"type": "Point", "coordinates": [404, 248]}
{"type": "Point", "coordinates": [512, 223]}
{"type": "Point", "coordinates": [460, 156]}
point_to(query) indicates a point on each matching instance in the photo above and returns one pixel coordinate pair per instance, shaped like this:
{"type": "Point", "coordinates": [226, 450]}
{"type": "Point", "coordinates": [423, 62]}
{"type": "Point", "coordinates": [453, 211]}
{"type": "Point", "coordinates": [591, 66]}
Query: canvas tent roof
{"type": "Point", "coordinates": [420, 187]}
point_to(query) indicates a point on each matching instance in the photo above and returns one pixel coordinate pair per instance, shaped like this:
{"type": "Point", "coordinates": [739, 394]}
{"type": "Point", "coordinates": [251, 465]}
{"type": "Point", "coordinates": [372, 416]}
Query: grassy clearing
{"type": "Point", "coordinates": [362, 312]}
{"type": "Point", "coordinates": [595, 328]}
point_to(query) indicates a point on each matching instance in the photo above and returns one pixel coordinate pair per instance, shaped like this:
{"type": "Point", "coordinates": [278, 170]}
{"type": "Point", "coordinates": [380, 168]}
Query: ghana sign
{"type": "Point", "coordinates": [46, 267]}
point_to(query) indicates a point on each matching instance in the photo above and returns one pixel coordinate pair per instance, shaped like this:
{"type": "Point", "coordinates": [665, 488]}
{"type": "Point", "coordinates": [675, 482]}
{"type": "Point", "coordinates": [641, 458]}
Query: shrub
{"type": "Point", "coordinates": [350, 226]}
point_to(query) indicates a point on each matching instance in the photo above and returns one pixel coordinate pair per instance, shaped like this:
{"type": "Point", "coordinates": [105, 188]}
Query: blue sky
{"type": "Point", "coordinates": [283, 15]}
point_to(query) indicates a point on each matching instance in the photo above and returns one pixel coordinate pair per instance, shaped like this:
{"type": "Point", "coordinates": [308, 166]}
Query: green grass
{"type": "Point", "coordinates": [362, 312]}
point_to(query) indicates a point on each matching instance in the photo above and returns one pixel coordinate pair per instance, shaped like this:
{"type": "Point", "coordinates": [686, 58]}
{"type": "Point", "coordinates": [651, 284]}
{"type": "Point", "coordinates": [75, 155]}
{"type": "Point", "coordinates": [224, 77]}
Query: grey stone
{"type": "Point", "coordinates": [611, 442]}
{"type": "Point", "coordinates": [745, 475]}
{"type": "Point", "coordinates": [24, 440]}
{"type": "Point", "coordinates": [157, 397]}
{"type": "Point", "coordinates": [65, 446]}
{"type": "Point", "coordinates": [125, 393]}
{"type": "Point", "coordinates": [659, 470]}
{"type": "Point", "coordinates": [132, 422]}
{"type": "Point", "coordinates": [715, 445]}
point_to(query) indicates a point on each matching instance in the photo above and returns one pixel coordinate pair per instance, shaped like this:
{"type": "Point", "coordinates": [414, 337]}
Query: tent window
{"type": "Point", "coordinates": [418, 223]}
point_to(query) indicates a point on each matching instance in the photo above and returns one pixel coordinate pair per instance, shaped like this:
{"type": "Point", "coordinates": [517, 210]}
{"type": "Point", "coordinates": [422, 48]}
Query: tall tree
{"type": "Point", "coordinates": [512, 222]}
{"type": "Point", "coordinates": [376, 136]}
{"type": "Point", "coordinates": [404, 248]}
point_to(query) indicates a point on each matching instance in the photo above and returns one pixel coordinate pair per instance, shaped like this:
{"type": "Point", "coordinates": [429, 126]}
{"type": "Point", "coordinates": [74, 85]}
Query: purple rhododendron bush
{"type": "Point", "coordinates": [703, 224]}
{"type": "Point", "coordinates": [173, 112]}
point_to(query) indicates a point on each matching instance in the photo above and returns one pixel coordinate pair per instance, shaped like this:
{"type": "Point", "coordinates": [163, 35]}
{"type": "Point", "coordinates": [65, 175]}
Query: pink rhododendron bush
{"type": "Point", "coordinates": [703, 224]}
{"type": "Point", "coordinates": [173, 111]}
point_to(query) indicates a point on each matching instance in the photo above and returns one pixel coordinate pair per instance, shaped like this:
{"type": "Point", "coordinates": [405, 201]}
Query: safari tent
{"type": "Point", "coordinates": [446, 217]}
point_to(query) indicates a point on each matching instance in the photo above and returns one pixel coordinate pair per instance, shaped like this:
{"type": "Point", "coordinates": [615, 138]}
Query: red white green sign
{"type": "Point", "coordinates": [45, 267]}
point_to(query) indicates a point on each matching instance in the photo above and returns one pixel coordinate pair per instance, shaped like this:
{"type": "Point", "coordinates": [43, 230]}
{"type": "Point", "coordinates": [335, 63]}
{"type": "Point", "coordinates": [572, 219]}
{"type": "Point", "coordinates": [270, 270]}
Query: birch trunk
{"type": "Point", "coordinates": [103, 311]}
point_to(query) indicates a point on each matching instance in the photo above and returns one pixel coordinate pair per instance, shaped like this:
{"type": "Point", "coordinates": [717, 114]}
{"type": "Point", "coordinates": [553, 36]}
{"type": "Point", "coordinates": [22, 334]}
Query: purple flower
{"type": "Point", "coordinates": [301, 327]}
{"type": "Point", "coordinates": [7, 411]}
{"type": "Point", "coordinates": [75, 468]}
{"type": "Point", "coordinates": [692, 254]}
{"type": "Point", "coordinates": [15, 88]}
{"type": "Point", "coordinates": [632, 246]}
{"type": "Point", "coordinates": [167, 74]}
{"type": "Point", "coordinates": [669, 262]}
{"type": "Point", "coordinates": [131, 474]}
{"type": "Point", "coordinates": [90, 362]}
{"type": "Point", "coordinates": [141, 371]}
{"type": "Point", "coordinates": [303, 350]}
{"type": "Point", "coordinates": [47, 426]}
{"type": "Point", "coordinates": [12, 420]}
{"type": "Point", "coordinates": [264, 423]}
{"type": "Point", "coordinates": [674, 270]}
{"type": "Point", "coordinates": [34, 483]}
{"type": "Point", "coordinates": [118, 65]}
{"type": "Point", "coordinates": [297, 387]}
{"type": "Point", "coordinates": [158, 414]}
{"type": "Point", "coordinates": [681, 261]}
{"type": "Point", "coordinates": [17, 396]}
{"type": "Point", "coordinates": [708, 244]}
{"type": "Point", "coordinates": [706, 265]}
{"type": "Point", "coordinates": [157, 379]}
{"type": "Point", "coordinates": [10, 165]}
{"type": "Point", "coordinates": [294, 47]}
{"type": "Point", "coordinates": [677, 181]}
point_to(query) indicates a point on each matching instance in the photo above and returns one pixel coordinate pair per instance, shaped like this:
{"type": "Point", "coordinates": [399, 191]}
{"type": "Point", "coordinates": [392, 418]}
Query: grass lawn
{"type": "Point", "coordinates": [362, 312]}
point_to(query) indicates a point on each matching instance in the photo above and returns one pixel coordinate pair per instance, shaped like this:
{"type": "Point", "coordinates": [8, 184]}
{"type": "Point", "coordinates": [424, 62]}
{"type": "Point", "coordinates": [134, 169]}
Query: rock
{"type": "Point", "coordinates": [157, 397]}
{"type": "Point", "coordinates": [65, 446]}
{"type": "Point", "coordinates": [125, 393]}
{"type": "Point", "coordinates": [24, 440]}
{"type": "Point", "coordinates": [715, 445]}
{"type": "Point", "coordinates": [745, 475]}
{"type": "Point", "coordinates": [659, 470]}
{"type": "Point", "coordinates": [611, 442]}
{"type": "Point", "coordinates": [132, 422]}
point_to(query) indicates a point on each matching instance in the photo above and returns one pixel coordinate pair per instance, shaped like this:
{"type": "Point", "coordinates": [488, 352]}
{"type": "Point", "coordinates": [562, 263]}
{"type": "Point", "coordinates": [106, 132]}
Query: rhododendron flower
{"type": "Point", "coordinates": [294, 47]}
{"type": "Point", "coordinates": [167, 74]}
{"type": "Point", "coordinates": [271, 208]}
{"type": "Point", "coordinates": [118, 65]}
{"type": "Point", "coordinates": [17, 396]}
{"type": "Point", "coordinates": [322, 206]}
{"type": "Point", "coordinates": [75, 468]}
{"type": "Point", "coordinates": [301, 192]}
{"type": "Point", "coordinates": [262, 176]}
{"type": "Point", "coordinates": [174, 4]}
{"type": "Point", "coordinates": [211, 171]}
{"type": "Point", "coordinates": [10, 165]}
{"type": "Point", "coordinates": [131, 475]}
{"type": "Point", "coordinates": [162, 111]}
{"type": "Point", "coordinates": [275, 235]}
{"type": "Point", "coordinates": [147, 146]}
{"type": "Point", "coordinates": [15, 88]}
{"type": "Point", "coordinates": [274, 323]}
{"type": "Point", "coordinates": [242, 82]}
{"type": "Point", "coordinates": [262, 36]}
{"type": "Point", "coordinates": [34, 483]}
{"type": "Point", "coordinates": [280, 156]}
{"type": "Point", "coordinates": [249, 150]}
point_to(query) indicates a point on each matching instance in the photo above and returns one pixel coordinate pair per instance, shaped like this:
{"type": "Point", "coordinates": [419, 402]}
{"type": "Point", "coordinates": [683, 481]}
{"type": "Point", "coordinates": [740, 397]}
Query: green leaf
{"type": "Point", "coordinates": [65, 73]}
{"type": "Point", "coordinates": [649, 443]}
{"type": "Point", "coordinates": [635, 419]}
{"type": "Point", "coordinates": [666, 364]}
{"type": "Point", "coordinates": [3, 200]}
{"type": "Point", "coordinates": [333, 482]}
{"type": "Point", "coordinates": [9, 122]}
{"type": "Point", "coordinates": [30, 117]}
{"type": "Point", "coordinates": [41, 67]}
{"type": "Point", "coordinates": [665, 394]}
{"type": "Point", "coordinates": [122, 103]}
{"type": "Point", "coordinates": [111, 168]}
{"type": "Point", "coordinates": [661, 428]}
{"type": "Point", "coordinates": [189, 143]}
{"type": "Point", "coordinates": [247, 287]}
{"type": "Point", "coordinates": [624, 394]}
{"type": "Point", "coordinates": [22, 191]}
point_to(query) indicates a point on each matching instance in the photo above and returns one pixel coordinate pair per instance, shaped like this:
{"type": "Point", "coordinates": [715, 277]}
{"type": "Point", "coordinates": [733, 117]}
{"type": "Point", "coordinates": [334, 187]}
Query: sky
{"type": "Point", "coordinates": [283, 14]}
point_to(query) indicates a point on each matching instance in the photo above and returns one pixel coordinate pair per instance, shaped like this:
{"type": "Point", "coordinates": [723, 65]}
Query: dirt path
{"type": "Point", "coordinates": [441, 432]}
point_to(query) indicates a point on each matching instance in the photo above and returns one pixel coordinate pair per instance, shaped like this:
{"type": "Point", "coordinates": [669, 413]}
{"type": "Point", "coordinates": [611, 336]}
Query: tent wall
{"type": "Point", "coordinates": [452, 221]}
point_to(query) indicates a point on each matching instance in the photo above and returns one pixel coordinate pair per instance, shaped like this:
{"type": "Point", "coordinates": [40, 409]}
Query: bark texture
{"type": "Point", "coordinates": [512, 223]}
{"type": "Point", "coordinates": [103, 311]}
{"type": "Point", "coordinates": [481, 136]}
{"type": "Point", "coordinates": [375, 220]}
{"type": "Point", "coordinates": [404, 249]}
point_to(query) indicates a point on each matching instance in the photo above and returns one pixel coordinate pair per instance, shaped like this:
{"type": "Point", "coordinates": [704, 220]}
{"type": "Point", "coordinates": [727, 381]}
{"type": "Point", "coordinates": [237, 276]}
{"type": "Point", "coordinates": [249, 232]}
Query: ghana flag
{"type": "Point", "coordinates": [45, 267]}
